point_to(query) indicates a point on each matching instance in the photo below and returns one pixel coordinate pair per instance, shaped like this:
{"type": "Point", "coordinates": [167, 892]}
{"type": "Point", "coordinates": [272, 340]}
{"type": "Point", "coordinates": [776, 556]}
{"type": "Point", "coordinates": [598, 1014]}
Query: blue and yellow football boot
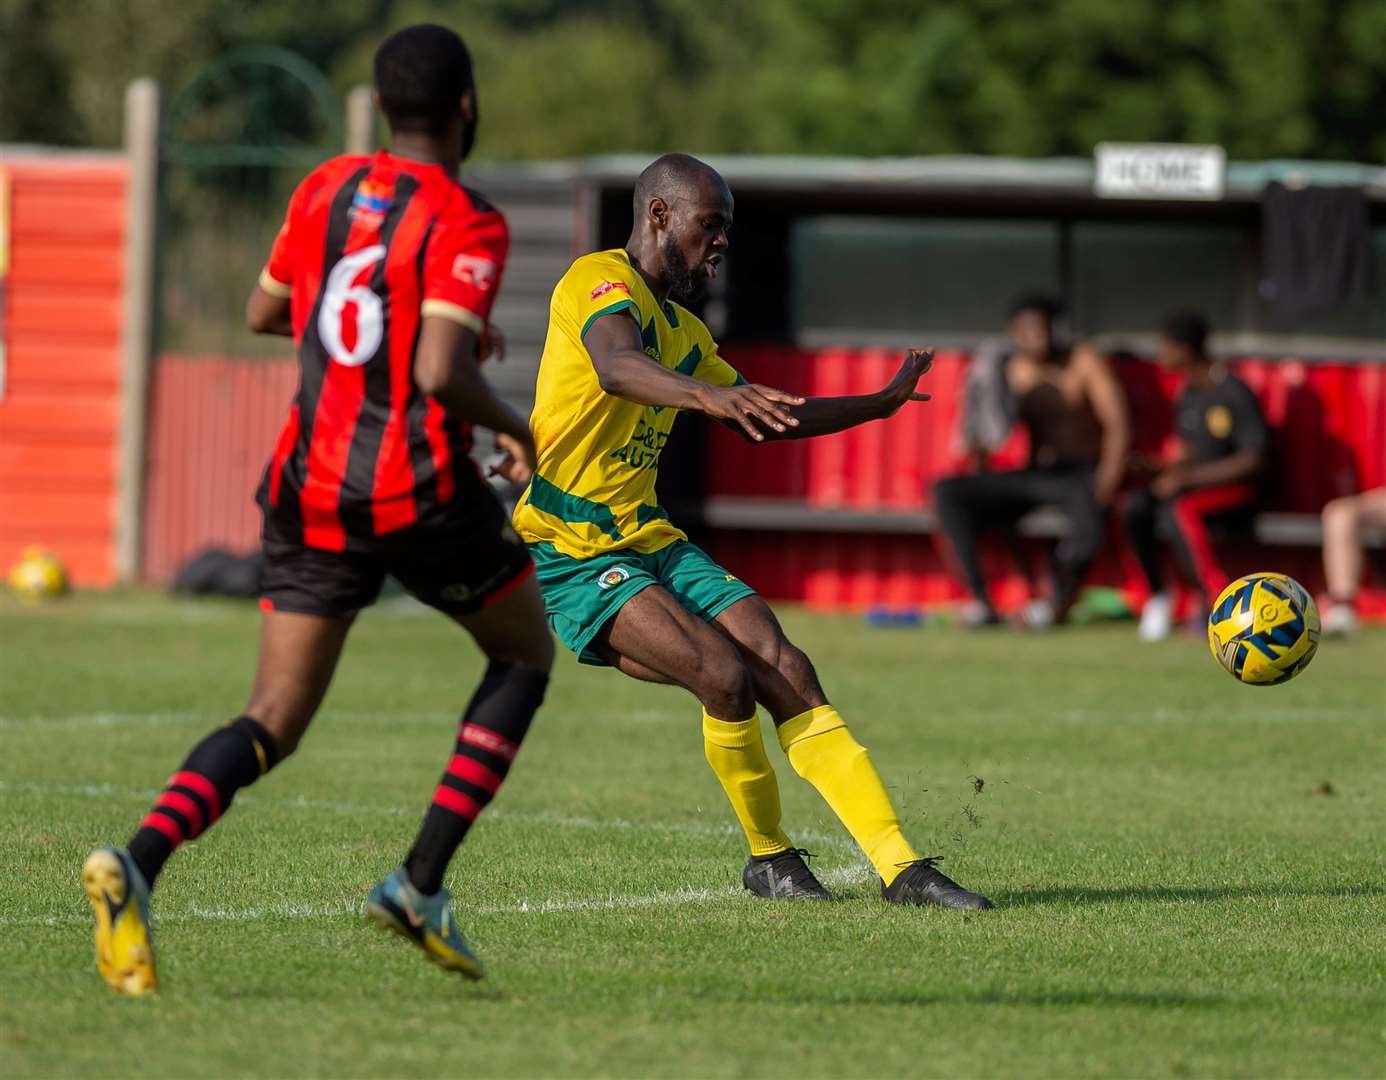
{"type": "Point", "coordinates": [119, 899]}
{"type": "Point", "coordinates": [425, 920]}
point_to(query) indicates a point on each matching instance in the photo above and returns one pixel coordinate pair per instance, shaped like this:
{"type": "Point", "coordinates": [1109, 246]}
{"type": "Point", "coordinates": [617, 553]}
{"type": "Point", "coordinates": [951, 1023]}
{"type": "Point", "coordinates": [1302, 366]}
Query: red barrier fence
{"type": "Point", "coordinates": [213, 422]}
{"type": "Point", "coordinates": [215, 419]}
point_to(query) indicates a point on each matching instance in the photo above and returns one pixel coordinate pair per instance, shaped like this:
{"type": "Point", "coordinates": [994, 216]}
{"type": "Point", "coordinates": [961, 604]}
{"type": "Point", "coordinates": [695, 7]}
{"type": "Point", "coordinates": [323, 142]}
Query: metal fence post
{"type": "Point", "coordinates": [360, 121]}
{"type": "Point", "coordinates": [137, 346]}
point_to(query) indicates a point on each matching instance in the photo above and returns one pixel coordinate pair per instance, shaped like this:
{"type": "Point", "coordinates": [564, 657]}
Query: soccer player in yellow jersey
{"type": "Point", "coordinates": [624, 587]}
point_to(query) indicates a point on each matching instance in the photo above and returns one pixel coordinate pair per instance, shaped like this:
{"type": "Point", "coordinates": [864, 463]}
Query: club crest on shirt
{"type": "Point", "coordinates": [609, 579]}
{"type": "Point", "coordinates": [1219, 421]}
{"type": "Point", "coordinates": [610, 286]}
{"type": "Point", "coordinates": [371, 200]}
{"type": "Point", "coordinates": [475, 271]}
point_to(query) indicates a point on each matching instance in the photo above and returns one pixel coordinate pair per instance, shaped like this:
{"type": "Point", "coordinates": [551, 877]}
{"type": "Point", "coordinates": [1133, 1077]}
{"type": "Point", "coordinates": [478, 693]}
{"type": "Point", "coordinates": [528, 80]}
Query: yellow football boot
{"type": "Point", "coordinates": [120, 902]}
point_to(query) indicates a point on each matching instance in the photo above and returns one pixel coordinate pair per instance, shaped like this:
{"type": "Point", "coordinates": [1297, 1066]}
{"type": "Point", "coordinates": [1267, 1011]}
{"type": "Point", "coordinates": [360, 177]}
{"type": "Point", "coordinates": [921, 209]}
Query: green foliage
{"type": "Point", "coordinates": [1266, 78]}
{"type": "Point", "coordinates": [1174, 896]}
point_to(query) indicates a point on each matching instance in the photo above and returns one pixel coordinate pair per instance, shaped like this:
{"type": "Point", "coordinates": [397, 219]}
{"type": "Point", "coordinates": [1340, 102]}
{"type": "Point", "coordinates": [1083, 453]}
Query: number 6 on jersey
{"type": "Point", "coordinates": [342, 290]}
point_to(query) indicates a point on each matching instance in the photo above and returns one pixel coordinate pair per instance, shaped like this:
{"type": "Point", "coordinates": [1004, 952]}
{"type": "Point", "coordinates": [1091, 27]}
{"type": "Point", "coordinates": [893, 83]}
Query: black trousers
{"type": "Point", "coordinates": [968, 504]}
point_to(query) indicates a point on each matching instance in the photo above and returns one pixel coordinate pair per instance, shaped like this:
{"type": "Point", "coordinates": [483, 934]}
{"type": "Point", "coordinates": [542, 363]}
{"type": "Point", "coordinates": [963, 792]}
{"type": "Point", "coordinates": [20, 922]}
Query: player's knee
{"type": "Point", "coordinates": [535, 653]}
{"type": "Point", "coordinates": [724, 686]}
{"type": "Point", "coordinates": [797, 670]}
{"type": "Point", "coordinates": [285, 716]}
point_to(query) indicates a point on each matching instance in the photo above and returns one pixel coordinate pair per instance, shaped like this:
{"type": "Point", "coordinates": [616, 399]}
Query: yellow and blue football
{"type": "Point", "coordinates": [1264, 629]}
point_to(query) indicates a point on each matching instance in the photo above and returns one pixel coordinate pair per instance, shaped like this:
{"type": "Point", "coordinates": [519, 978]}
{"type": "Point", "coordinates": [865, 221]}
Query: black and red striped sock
{"type": "Point", "coordinates": [230, 758]}
{"type": "Point", "coordinates": [492, 729]}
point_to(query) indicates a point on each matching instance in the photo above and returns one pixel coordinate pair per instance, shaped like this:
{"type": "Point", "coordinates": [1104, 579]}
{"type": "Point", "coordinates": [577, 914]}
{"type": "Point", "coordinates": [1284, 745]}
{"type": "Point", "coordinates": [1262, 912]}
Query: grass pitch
{"type": "Point", "coordinates": [1190, 874]}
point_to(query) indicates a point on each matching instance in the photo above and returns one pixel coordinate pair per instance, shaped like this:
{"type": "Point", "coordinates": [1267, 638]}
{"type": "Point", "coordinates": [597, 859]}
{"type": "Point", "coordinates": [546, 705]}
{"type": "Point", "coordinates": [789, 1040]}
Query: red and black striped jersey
{"type": "Point", "coordinates": [368, 248]}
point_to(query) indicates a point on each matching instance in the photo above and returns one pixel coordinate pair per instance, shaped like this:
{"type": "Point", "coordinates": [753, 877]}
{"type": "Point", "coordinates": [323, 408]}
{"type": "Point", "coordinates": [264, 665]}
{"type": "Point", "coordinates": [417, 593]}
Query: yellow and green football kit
{"type": "Point", "coordinates": [590, 515]}
{"type": "Point", "coordinates": [599, 536]}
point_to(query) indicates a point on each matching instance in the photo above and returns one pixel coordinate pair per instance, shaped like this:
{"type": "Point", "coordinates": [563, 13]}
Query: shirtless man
{"type": "Point", "coordinates": [1075, 412]}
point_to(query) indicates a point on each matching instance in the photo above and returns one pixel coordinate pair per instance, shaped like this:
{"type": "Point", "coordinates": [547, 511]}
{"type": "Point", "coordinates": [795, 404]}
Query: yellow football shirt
{"type": "Point", "coordinates": [594, 488]}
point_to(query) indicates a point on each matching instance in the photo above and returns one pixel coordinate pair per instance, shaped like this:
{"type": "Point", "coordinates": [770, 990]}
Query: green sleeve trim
{"type": "Point", "coordinates": [644, 514]}
{"type": "Point", "coordinates": [552, 499]}
{"type": "Point", "coordinates": [610, 309]}
{"type": "Point", "coordinates": [740, 379]}
{"type": "Point", "coordinates": [689, 364]}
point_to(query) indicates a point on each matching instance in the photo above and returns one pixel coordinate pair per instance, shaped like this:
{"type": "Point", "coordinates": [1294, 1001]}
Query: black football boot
{"type": "Point", "coordinates": [922, 883]}
{"type": "Point", "coordinates": [785, 876]}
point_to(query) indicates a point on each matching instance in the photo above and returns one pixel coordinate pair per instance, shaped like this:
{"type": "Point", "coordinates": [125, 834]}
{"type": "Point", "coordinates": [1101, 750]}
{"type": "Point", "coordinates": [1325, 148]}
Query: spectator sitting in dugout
{"type": "Point", "coordinates": [1212, 482]}
{"type": "Point", "coordinates": [1076, 416]}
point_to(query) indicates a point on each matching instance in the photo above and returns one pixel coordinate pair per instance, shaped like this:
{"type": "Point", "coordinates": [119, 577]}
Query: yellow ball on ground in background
{"type": "Point", "coordinates": [1264, 629]}
{"type": "Point", "coordinates": [38, 576]}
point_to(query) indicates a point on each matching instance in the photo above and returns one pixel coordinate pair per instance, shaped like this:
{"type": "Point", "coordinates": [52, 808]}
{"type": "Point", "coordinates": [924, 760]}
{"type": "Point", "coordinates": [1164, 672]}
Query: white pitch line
{"type": "Point", "coordinates": [565, 821]}
{"type": "Point", "coordinates": [94, 720]}
{"type": "Point", "coordinates": [848, 875]}
{"type": "Point", "coordinates": [103, 720]}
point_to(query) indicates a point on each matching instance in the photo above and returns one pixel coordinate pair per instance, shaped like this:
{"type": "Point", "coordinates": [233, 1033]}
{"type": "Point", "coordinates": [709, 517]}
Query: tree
{"type": "Point", "coordinates": [1265, 78]}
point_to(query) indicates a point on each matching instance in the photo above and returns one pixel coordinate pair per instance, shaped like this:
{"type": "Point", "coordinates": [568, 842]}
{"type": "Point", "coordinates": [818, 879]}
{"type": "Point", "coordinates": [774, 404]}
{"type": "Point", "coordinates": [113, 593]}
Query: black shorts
{"type": "Point", "coordinates": [458, 567]}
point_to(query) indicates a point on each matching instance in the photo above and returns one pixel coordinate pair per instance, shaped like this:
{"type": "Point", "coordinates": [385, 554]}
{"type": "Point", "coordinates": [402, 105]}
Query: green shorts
{"type": "Point", "coordinates": [582, 595]}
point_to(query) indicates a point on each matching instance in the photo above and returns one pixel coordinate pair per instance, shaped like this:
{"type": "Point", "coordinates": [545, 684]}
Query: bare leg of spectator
{"type": "Point", "coordinates": [1343, 521]}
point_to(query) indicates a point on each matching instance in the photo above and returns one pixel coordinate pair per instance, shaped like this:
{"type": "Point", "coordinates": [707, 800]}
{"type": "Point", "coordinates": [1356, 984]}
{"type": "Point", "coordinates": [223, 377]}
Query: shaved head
{"type": "Point", "coordinates": [674, 178]}
{"type": "Point", "coordinates": [683, 209]}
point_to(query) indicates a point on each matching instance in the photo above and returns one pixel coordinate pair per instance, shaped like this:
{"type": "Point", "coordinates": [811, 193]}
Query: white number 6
{"type": "Point", "coordinates": [340, 291]}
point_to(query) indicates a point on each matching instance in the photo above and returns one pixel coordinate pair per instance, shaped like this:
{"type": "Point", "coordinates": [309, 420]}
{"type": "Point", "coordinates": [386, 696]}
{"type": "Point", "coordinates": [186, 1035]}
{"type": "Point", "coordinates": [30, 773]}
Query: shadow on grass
{"type": "Point", "coordinates": [1080, 894]}
{"type": "Point", "coordinates": [998, 997]}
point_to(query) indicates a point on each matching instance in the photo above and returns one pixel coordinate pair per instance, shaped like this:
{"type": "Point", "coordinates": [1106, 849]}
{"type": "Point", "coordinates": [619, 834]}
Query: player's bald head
{"type": "Point", "coordinates": [678, 178]}
{"type": "Point", "coordinates": [683, 209]}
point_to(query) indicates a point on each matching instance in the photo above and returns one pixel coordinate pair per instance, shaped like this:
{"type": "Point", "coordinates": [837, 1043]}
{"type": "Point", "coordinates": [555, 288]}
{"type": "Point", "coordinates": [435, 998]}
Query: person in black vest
{"type": "Point", "coordinates": [1214, 480]}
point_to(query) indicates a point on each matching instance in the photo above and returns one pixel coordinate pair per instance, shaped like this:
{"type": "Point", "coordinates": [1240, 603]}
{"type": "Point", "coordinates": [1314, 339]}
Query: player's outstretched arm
{"type": "Point", "coordinates": [446, 369]}
{"type": "Point", "coordinates": [624, 371]}
{"type": "Point", "coordinates": [825, 415]}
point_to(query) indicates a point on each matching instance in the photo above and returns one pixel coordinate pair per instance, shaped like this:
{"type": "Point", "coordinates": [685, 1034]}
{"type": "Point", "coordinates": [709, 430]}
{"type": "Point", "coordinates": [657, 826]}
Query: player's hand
{"type": "Point", "coordinates": [492, 345]}
{"type": "Point", "coordinates": [756, 408]}
{"type": "Point", "coordinates": [517, 462]}
{"type": "Point", "coordinates": [901, 388]}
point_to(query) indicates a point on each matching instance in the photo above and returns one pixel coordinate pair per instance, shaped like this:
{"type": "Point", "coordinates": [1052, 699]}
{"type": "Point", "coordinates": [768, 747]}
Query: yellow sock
{"type": "Point", "coordinates": [737, 755]}
{"type": "Point", "coordinates": [823, 752]}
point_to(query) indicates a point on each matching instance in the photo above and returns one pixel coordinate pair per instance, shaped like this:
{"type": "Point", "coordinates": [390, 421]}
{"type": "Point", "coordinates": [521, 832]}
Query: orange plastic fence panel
{"type": "Point", "coordinates": [60, 412]}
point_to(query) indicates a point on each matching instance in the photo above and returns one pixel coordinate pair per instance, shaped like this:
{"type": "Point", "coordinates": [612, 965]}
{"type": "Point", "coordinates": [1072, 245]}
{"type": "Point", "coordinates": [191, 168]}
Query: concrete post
{"type": "Point", "coordinates": [360, 121]}
{"type": "Point", "coordinates": [137, 347]}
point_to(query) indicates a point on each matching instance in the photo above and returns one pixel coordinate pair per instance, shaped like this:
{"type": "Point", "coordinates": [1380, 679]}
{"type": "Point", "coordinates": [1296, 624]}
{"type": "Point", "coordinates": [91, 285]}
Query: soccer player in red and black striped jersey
{"type": "Point", "coordinates": [384, 274]}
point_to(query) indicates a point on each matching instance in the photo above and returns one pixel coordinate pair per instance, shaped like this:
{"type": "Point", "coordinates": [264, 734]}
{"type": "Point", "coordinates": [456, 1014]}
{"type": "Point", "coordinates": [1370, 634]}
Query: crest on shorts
{"type": "Point", "coordinates": [609, 579]}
